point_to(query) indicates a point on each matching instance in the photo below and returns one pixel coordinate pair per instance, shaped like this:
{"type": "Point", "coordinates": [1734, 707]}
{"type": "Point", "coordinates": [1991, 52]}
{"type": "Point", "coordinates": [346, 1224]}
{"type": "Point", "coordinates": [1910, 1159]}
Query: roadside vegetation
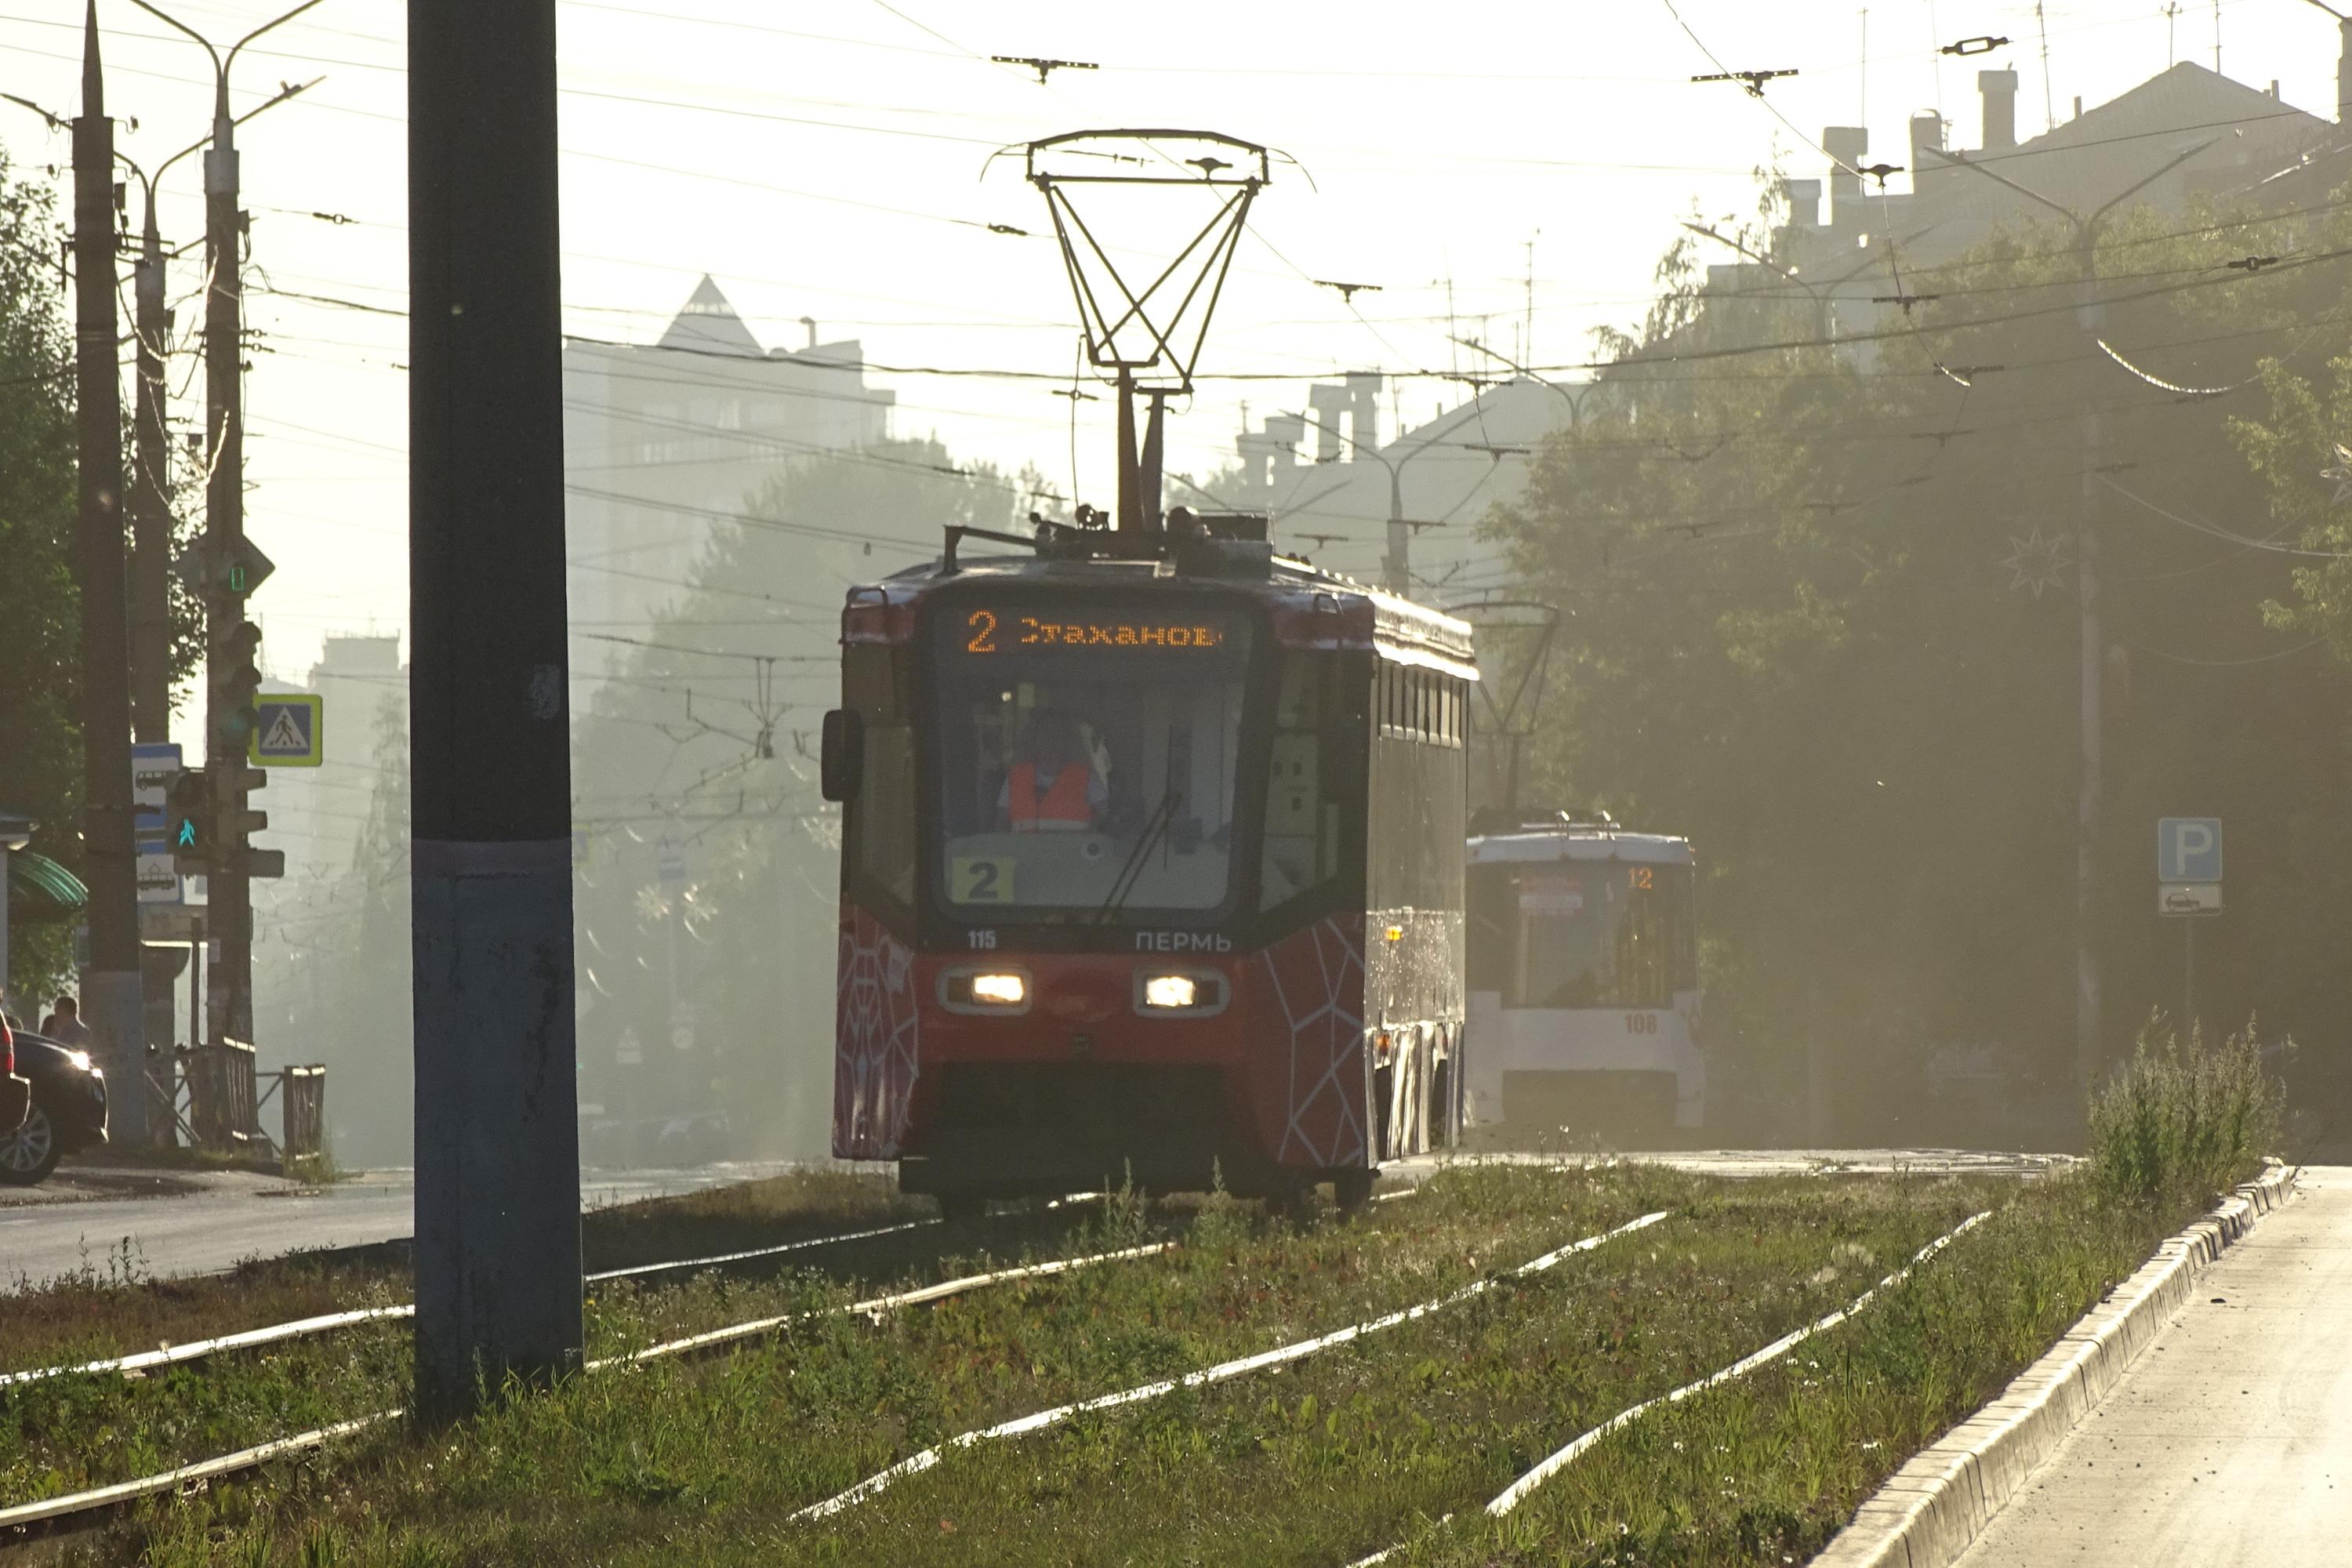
{"type": "Point", "coordinates": [2186, 1119]}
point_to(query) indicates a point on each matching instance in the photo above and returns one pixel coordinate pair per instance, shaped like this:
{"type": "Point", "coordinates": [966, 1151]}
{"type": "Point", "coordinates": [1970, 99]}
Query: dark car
{"type": "Point", "coordinates": [67, 1113]}
{"type": "Point", "coordinates": [15, 1091]}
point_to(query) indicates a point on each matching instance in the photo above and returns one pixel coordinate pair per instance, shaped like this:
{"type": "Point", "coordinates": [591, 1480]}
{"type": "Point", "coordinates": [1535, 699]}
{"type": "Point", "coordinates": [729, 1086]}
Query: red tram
{"type": "Point", "coordinates": [1151, 868]}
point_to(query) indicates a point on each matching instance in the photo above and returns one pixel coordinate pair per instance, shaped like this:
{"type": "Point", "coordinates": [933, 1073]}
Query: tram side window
{"type": "Point", "coordinates": [1303, 783]}
{"type": "Point", "coordinates": [881, 819]}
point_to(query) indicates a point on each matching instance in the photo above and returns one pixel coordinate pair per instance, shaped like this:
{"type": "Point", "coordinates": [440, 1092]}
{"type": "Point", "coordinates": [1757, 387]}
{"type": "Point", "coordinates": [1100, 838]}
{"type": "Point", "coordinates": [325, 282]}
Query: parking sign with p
{"type": "Point", "coordinates": [2188, 850]}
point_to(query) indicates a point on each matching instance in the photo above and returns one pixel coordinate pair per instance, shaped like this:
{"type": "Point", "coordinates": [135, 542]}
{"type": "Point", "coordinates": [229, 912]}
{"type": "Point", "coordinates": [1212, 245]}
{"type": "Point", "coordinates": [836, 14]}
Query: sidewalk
{"type": "Point", "coordinates": [2229, 1441]}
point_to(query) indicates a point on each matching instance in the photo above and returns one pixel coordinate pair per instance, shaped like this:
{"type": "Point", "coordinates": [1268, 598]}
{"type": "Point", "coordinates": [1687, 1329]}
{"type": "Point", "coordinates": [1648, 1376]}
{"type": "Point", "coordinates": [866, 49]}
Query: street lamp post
{"type": "Point", "coordinates": [1396, 571]}
{"type": "Point", "coordinates": [2089, 1053]}
{"type": "Point", "coordinates": [151, 487]}
{"type": "Point", "coordinates": [231, 887]}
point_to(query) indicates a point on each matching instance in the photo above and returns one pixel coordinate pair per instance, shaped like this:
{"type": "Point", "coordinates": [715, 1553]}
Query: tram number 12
{"type": "Point", "coordinates": [1640, 879]}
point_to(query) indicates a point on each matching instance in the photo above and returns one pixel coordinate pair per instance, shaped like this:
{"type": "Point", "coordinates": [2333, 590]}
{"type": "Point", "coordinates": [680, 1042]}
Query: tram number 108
{"type": "Point", "coordinates": [1641, 1023]}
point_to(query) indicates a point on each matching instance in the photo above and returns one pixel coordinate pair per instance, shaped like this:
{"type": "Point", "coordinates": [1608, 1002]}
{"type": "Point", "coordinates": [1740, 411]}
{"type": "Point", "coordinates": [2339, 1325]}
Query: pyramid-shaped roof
{"type": "Point", "coordinates": [707, 324]}
{"type": "Point", "coordinates": [2084, 162]}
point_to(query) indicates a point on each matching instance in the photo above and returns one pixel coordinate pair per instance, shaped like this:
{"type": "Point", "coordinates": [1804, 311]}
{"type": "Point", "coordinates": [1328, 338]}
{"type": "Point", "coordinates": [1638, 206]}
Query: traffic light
{"type": "Point", "coordinates": [240, 685]}
{"type": "Point", "coordinates": [244, 781]}
{"type": "Point", "coordinates": [188, 822]}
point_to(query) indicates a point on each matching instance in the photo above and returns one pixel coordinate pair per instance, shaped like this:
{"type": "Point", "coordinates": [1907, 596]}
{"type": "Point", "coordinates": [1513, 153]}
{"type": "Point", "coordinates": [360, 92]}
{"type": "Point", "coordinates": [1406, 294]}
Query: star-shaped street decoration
{"type": "Point", "coordinates": [2036, 562]}
{"type": "Point", "coordinates": [2341, 473]}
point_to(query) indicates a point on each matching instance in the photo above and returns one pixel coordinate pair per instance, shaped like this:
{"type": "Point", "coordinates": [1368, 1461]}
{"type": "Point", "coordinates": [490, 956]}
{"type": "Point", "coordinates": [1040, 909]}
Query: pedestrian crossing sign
{"type": "Point", "coordinates": [288, 730]}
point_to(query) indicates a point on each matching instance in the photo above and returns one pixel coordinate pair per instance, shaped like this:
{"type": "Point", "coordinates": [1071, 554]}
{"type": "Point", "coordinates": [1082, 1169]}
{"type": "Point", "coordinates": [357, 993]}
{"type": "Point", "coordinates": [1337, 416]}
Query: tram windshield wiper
{"type": "Point", "coordinates": [1131, 872]}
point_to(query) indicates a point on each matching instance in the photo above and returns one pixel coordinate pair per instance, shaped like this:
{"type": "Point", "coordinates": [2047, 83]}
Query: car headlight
{"type": "Point", "coordinates": [1169, 991]}
{"type": "Point", "coordinates": [80, 1060]}
{"type": "Point", "coordinates": [999, 989]}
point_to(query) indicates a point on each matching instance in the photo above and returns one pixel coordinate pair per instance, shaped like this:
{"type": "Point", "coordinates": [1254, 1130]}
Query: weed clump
{"type": "Point", "coordinates": [2185, 1120]}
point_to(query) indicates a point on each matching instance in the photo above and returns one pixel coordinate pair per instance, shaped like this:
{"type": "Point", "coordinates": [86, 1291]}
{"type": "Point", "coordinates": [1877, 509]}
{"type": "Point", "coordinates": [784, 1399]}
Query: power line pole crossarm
{"type": "Point", "coordinates": [111, 987]}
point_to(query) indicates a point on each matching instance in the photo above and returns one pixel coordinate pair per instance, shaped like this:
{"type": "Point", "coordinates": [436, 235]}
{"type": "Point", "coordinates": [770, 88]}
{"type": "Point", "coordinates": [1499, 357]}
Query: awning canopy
{"type": "Point", "coordinates": [40, 890]}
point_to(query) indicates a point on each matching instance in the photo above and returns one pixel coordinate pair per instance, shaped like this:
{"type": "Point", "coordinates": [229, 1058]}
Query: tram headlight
{"type": "Point", "coordinates": [1181, 993]}
{"type": "Point", "coordinates": [1169, 991]}
{"type": "Point", "coordinates": [993, 993]}
{"type": "Point", "coordinates": [999, 989]}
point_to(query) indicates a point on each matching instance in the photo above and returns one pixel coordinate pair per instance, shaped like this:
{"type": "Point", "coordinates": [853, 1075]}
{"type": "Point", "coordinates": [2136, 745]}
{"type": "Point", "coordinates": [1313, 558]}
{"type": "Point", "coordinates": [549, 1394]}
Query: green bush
{"type": "Point", "coordinates": [2185, 1120]}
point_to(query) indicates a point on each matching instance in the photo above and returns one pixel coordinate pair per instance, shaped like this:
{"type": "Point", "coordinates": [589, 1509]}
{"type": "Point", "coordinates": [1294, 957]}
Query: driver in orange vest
{"type": "Point", "coordinates": [1053, 789]}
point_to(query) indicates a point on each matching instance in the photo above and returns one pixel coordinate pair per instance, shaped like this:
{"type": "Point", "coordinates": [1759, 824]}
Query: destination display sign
{"type": "Point", "coordinates": [987, 631]}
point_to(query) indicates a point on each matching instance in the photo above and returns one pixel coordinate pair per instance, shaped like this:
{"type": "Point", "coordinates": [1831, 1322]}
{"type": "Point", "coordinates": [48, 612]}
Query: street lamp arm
{"type": "Point", "coordinates": [55, 123]}
{"type": "Point", "coordinates": [1721, 238]}
{"type": "Point", "coordinates": [2332, 11]}
{"type": "Point", "coordinates": [273, 22]}
{"type": "Point", "coordinates": [1342, 435]}
{"type": "Point", "coordinates": [1575, 410]}
{"type": "Point", "coordinates": [219, 72]}
{"type": "Point", "coordinates": [2069, 214]}
{"type": "Point", "coordinates": [149, 181]}
{"type": "Point", "coordinates": [2175, 164]}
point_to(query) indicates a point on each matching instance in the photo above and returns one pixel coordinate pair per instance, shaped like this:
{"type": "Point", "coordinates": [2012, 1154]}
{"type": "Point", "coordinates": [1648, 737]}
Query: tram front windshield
{"type": "Point", "coordinates": [1088, 758]}
{"type": "Point", "coordinates": [1581, 933]}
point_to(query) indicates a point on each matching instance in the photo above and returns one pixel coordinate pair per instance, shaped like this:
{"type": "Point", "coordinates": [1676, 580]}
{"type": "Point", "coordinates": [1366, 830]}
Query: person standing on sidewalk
{"type": "Point", "coordinates": [64, 1025]}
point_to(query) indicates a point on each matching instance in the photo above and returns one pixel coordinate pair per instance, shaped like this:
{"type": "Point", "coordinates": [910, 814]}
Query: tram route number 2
{"type": "Point", "coordinates": [981, 879]}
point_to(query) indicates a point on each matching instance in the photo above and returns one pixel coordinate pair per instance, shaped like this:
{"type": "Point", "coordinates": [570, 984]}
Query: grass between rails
{"type": "Point", "coordinates": [704, 1463]}
{"type": "Point", "coordinates": [613, 1458]}
{"type": "Point", "coordinates": [689, 1464]}
{"type": "Point", "coordinates": [1765, 1469]}
{"type": "Point", "coordinates": [1341, 1454]}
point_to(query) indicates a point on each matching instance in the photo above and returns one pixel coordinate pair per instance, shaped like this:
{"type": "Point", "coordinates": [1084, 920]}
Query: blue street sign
{"type": "Point", "coordinates": [2188, 850]}
{"type": "Point", "coordinates": [154, 766]}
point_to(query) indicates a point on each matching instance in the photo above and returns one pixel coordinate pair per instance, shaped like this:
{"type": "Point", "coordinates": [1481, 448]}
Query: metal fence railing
{"type": "Point", "coordinates": [224, 1108]}
{"type": "Point", "coordinates": [303, 1101]}
{"type": "Point", "coordinates": [216, 1094]}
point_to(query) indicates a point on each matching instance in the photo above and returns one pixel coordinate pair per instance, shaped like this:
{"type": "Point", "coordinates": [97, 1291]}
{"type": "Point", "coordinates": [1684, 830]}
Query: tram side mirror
{"type": "Point", "coordinates": [843, 753]}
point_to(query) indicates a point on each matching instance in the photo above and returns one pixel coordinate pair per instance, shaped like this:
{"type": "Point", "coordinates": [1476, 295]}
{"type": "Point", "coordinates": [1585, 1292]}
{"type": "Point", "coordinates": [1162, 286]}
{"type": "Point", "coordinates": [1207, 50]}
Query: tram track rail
{"type": "Point", "coordinates": [141, 1363]}
{"type": "Point", "coordinates": [88, 1507]}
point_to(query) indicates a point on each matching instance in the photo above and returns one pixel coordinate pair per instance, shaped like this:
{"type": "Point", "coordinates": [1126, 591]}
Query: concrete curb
{"type": "Point", "coordinates": [1930, 1509]}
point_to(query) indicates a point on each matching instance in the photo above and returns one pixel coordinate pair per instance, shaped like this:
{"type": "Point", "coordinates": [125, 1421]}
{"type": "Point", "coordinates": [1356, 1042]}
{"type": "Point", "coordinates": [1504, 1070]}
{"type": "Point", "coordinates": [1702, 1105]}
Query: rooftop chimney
{"type": "Point", "coordinates": [1927, 171]}
{"type": "Point", "coordinates": [1805, 202]}
{"type": "Point", "coordinates": [1999, 92]}
{"type": "Point", "coordinates": [2344, 73]}
{"type": "Point", "coordinates": [1847, 145]}
{"type": "Point", "coordinates": [1327, 404]}
{"type": "Point", "coordinates": [1364, 409]}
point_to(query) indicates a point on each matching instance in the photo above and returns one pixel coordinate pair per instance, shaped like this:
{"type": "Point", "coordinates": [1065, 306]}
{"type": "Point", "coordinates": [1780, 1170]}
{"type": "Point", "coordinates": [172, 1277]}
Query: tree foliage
{"type": "Point", "coordinates": [40, 761]}
{"type": "Point", "coordinates": [706, 889]}
{"type": "Point", "coordinates": [1821, 613]}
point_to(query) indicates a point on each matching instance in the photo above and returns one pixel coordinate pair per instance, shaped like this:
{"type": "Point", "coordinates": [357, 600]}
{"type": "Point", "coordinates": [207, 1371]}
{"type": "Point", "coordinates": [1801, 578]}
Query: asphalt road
{"type": "Point", "coordinates": [201, 1223]}
{"type": "Point", "coordinates": [2229, 1443]}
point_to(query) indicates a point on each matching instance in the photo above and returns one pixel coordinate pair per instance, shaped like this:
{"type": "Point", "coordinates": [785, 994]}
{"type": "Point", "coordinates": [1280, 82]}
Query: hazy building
{"type": "Point", "coordinates": [1848, 253]}
{"type": "Point", "coordinates": [663, 440]}
{"type": "Point", "coordinates": [1329, 483]}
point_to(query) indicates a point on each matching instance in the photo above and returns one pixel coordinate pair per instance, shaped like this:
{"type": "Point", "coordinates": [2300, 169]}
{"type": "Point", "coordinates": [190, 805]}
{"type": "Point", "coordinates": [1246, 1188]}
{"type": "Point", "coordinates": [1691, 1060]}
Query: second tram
{"type": "Point", "coordinates": [1151, 868]}
{"type": "Point", "coordinates": [1584, 993]}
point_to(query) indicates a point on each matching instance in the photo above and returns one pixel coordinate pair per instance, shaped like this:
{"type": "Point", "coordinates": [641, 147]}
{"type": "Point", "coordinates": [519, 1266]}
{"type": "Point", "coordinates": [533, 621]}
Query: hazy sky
{"type": "Point", "coordinates": [826, 160]}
